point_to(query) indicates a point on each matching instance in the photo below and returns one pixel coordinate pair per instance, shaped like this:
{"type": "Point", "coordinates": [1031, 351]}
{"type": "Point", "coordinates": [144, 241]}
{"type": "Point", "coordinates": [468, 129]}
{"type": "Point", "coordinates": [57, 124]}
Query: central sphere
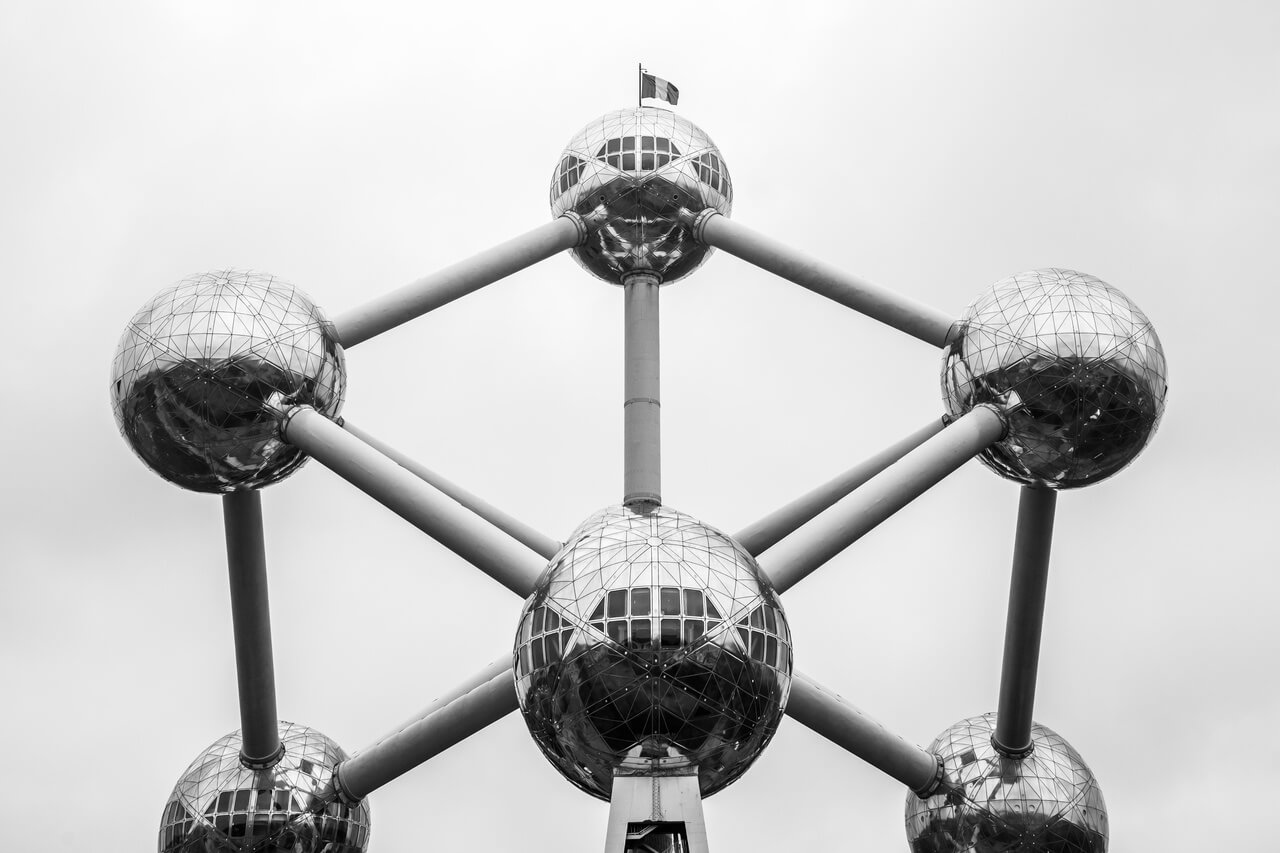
{"type": "Point", "coordinates": [221, 805]}
{"type": "Point", "coordinates": [638, 178]}
{"type": "Point", "coordinates": [206, 369]}
{"type": "Point", "coordinates": [652, 645]}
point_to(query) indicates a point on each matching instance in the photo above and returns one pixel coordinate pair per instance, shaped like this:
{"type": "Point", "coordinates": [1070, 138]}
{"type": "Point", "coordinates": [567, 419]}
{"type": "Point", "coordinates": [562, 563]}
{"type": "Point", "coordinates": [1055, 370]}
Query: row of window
{"type": "Point", "coordinates": [655, 153]}
{"type": "Point", "coordinates": [713, 173]}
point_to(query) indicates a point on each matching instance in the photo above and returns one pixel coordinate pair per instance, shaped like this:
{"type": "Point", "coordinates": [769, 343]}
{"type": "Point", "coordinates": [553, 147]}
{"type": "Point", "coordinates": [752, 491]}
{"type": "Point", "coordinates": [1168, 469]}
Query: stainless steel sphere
{"type": "Point", "coordinates": [221, 806]}
{"type": "Point", "coordinates": [1075, 368]}
{"type": "Point", "coordinates": [205, 369]}
{"type": "Point", "coordinates": [1048, 802]}
{"type": "Point", "coordinates": [652, 644]}
{"type": "Point", "coordinates": [638, 178]}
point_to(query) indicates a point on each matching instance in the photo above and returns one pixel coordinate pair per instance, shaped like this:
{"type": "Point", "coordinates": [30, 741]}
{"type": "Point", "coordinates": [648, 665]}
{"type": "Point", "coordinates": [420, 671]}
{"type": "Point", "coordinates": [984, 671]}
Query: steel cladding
{"type": "Point", "coordinates": [652, 644]}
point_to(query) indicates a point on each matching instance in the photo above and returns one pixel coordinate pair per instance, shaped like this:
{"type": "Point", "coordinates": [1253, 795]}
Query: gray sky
{"type": "Point", "coordinates": [934, 148]}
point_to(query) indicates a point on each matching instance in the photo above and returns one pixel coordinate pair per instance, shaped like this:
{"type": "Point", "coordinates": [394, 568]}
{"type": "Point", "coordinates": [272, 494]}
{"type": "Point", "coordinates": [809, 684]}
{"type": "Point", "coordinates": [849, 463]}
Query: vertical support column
{"type": "Point", "coordinates": [642, 411]}
{"type": "Point", "coordinates": [251, 623]}
{"type": "Point", "coordinates": [1031, 546]}
{"type": "Point", "coordinates": [648, 807]}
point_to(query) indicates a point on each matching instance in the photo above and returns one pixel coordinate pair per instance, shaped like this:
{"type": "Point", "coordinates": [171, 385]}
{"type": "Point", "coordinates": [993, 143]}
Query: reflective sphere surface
{"type": "Point", "coordinates": [221, 806]}
{"type": "Point", "coordinates": [638, 177]}
{"type": "Point", "coordinates": [1048, 802]}
{"type": "Point", "coordinates": [205, 369]}
{"type": "Point", "coordinates": [652, 643]}
{"type": "Point", "coordinates": [1073, 365]}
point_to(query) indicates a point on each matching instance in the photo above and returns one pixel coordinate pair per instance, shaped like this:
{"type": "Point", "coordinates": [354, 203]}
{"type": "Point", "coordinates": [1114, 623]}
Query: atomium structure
{"type": "Point", "coordinates": [652, 660]}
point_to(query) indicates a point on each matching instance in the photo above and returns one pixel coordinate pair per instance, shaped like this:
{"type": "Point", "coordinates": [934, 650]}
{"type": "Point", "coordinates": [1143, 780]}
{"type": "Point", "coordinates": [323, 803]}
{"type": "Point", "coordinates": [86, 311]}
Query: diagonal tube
{"type": "Point", "coordinates": [251, 624]}
{"type": "Point", "coordinates": [767, 532]}
{"type": "Point", "coordinates": [421, 504]}
{"type": "Point", "coordinates": [792, 559]}
{"type": "Point", "coordinates": [907, 315]}
{"type": "Point", "coordinates": [513, 527]}
{"type": "Point", "coordinates": [1031, 546]}
{"type": "Point", "coordinates": [828, 714]}
{"type": "Point", "coordinates": [476, 703]}
{"type": "Point", "coordinates": [440, 288]}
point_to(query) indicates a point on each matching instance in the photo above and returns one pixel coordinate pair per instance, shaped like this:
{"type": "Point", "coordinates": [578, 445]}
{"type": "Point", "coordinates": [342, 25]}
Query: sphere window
{"type": "Point", "coordinates": [713, 173]}
{"type": "Point", "coordinates": [570, 173]}
{"type": "Point", "coordinates": [655, 152]}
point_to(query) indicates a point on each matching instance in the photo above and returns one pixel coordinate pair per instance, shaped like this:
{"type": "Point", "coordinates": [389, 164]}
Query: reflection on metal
{"type": "Point", "coordinates": [251, 623]}
{"type": "Point", "coordinates": [892, 309]}
{"type": "Point", "coordinates": [835, 719]}
{"type": "Point", "coordinates": [205, 369]}
{"type": "Point", "coordinates": [638, 178]}
{"type": "Point", "coordinates": [768, 531]}
{"type": "Point", "coordinates": [651, 645]}
{"type": "Point", "coordinates": [987, 802]}
{"type": "Point", "coordinates": [795, 557]}
{"type": "Point", "coordinates": [476, 703]}
{"type": "Point", "coordinates": [221, 806]}
{"type": "Point", "coordinates": [1074, 366]}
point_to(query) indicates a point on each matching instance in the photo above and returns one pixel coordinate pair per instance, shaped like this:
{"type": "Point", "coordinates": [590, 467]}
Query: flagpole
{"type": "Point", "coordinates": [639, 85]}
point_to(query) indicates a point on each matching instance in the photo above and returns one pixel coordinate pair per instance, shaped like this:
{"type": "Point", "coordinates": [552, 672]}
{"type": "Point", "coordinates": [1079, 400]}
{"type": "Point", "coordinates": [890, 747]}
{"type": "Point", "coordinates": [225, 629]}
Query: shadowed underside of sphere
{"type": "Point", "coordinates": [221, 806]}
{"type": "Point", "coordinates": [652, 644]}
{"type": "Point", "coordinates": [1048, 802]}
{"type": "Point", "coordinates": [1075, 368]}
{"type": "Point", "coordinates": [638, 178]}
{"type": "Point", "coordinates": [206, 368]}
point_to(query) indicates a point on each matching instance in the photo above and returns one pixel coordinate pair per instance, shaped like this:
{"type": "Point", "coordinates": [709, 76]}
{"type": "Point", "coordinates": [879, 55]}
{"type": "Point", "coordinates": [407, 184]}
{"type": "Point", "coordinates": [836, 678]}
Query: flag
{"type": "Point", "coordinates": [656, 87]}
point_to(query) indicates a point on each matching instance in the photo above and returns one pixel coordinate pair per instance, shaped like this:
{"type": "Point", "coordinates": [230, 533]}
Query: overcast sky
{"type": "Point", "coordinates": [349, 148]}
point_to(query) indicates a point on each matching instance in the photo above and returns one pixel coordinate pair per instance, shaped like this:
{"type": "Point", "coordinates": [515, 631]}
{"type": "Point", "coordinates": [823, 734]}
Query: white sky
{"type": "Point", "coordinates": [932, 148]}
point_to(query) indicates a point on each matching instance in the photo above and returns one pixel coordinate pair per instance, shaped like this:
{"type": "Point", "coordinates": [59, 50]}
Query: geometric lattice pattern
{"type": "Point", "coordinates": [1075, 368]}
{"type": "Point", "coordinates": [638, 178]}
{"type": "Point", "coordinates": [205, 369]}
{"type": "Point", "coordinates": [221, 806]}
{"type": "Point", "coordinates": [652, 644]}
{"type": "Point", "coordinates": [1048, 802]}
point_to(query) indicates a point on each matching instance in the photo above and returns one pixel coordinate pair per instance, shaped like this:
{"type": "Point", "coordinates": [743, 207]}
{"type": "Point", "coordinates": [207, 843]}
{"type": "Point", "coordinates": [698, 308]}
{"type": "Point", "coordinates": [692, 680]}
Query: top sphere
{"type": "Point", "coordinates": [205, 370]}
{"type": "Point", "coordinates": [638, 178]}
{"type": "Point", "coordinates": [1074, 367]}
{"type": "Point", "coordinates": [652, 645]}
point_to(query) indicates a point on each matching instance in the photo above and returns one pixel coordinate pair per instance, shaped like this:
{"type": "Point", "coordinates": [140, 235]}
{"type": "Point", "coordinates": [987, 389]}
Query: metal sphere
{"type": "Point", "coordinates": [1074, 367]}
{"type": "Point", "coordinates": [1048, 802]}
{"type": "Point", "coordinates": [205, 370]}
{"type": "Point", "coordinates": [653, 644]}
{"type": "Point", "coordinates": [639, 178]}
{"type": "Point", "coordinates": [221, 806]}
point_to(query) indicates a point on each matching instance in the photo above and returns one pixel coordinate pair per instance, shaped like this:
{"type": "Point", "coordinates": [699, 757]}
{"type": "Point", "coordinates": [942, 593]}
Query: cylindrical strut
{"type": "Point", "coordinates": [768, 531]}
{"type": "Point", "coordinates": [513, 527]}
{"type": "Point", "coordinates": [440, 288]}
{"type": "Point", "coordinates": [795, 557]}
{"type": "Point", "coordinates": [251, 623]}
{"type": "Point", "coordinates": [642, 410]}
{"type": "Point", "coordinates": [484, 699]}
{"type": "Point", "coordinates": [839, 722]}
{"type": "Point", "coordinates": [421, 504]}
{"type": "Point", "coordinates": [907, 315]}
{"type": "Point", "coordinates": [1031, 546]}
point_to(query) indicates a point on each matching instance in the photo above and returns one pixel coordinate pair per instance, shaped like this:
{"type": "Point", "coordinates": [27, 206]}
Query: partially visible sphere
{"type": "Point", "coordinates": [205, 370]}
{"type": "Point", "coordinates": [1048, 802]}
{"type": "Point", "coordinates": [221, 806]}
{"type": "Point", "coordinates": [638, 178]}
{"type": "Point", "coordinates": [1074, 367]}
{"type": "Point", "coordinates": [652, 644]}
